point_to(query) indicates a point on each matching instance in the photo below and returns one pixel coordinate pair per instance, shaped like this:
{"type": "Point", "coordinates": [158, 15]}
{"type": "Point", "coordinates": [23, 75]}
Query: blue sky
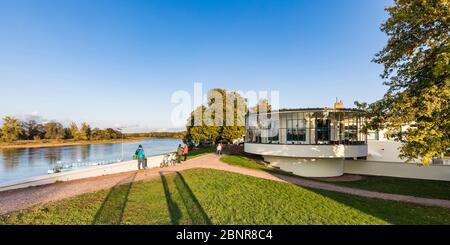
{"type": "Point", "coordinates": [118, 62]}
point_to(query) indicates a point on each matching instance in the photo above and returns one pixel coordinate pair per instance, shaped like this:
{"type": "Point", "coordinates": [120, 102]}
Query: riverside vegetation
{"type": "Point", "coordinates": [15, 133]}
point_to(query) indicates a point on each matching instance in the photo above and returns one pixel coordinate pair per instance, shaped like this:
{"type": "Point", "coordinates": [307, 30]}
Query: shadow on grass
{"type": "Point", "coordinates": [172, 206]}
{"type": "Point", "coordinates": [390, 211]}
{"type": "Point", "coordinates": [195, 211]}
{"type": "Point", "coordinates": [113, 207]}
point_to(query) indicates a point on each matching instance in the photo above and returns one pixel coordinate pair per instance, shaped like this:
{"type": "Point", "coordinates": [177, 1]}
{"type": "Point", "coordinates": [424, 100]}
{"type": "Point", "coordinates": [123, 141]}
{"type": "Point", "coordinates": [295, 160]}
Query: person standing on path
{"type": "Point", "coordinates": [141, 157]}
{"type": "Point", "coordinates": [219, 149]}
{"type": "Point", "coordinates": [185, 151]}
{"type": "Point", "coordinates": [179, 153]}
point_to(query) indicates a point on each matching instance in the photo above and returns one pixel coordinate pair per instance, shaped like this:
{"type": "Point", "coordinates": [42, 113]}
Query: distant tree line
{"type": "Point", "coordinates": [176, 135]}
{"type": "Point", "coordinates": [14, 129]}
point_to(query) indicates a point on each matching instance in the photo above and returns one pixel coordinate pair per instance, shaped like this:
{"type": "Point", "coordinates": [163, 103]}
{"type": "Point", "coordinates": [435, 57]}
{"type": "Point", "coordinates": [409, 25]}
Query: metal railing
{"type": "Point", "coordinates": [60, 166]}
{"type": "Point", "coordinates": [305, 136]}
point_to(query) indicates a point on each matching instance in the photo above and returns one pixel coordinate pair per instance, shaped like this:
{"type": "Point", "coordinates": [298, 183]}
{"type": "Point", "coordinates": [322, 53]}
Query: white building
{"type": "Point", "coordinates": [307, 142]}
{"type": "Point", "coordinates": [327, 142]}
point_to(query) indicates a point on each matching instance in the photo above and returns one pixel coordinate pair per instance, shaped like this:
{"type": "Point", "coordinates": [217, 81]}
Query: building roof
{"type": "Point", "coordinates": [315, 110]}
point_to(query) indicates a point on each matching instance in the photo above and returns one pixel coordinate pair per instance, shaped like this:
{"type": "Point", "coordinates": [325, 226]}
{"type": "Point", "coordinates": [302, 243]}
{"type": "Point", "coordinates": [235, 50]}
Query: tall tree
{"type": "Point", "coordinates": [416, 63]}
{"type": "Point", "coordinates": [85, 131]}
{"type": "Point", "coordinates": [54, 130]}
{"type": "Point", "coordinates": [97, 134]}
{"type": "Point", "coordinates": [33, 130]}
{"type": "Point", "coordinates": [262, 106]}
{"type": "Point", "coordinates": [200, 133]}
{"type": "Point", "coordinates": [74, 131]}
{"type": "Point", "coordinates": [231, 133]}
{"type": "Point", "coordinates": [12, 129]}
{"type": "Point", "coordinates": [222, 118]}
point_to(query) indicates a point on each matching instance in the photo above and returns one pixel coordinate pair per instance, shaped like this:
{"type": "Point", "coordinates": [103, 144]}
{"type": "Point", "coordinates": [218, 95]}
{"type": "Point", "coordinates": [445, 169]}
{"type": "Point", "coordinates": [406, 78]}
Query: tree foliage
{"type": "Point", "coordinates": [262, 106]}
{"type": "Point", "coordinates": [12, 129]}
{"type": "Point", "coordinates": [417, 73]}
{"type": "Point", "coordinates": [219, 122]}
{"type": "Point", "coordinates": [177, 135]}
{"type": "Point", "coordinates": [74, 131]}
{"type": "Point", "coordinates": [33, 130]}
{"type": "Point", "coordinates": [54, 130]}
{"type": "Point", "coordinates": [85, 132]}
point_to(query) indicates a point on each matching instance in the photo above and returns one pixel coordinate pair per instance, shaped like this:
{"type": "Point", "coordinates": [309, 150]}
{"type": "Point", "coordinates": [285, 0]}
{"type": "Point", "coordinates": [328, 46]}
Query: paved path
{"type": "Point", "coordinates": [13, 200]}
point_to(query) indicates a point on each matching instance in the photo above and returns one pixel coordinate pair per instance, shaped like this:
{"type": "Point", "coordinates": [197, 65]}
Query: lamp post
{"type": "Point", "coordinates": [120, 130]}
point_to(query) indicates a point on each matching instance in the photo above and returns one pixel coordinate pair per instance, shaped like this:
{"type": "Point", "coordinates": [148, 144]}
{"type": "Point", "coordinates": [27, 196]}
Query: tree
{"type": "Point", "coordinates": [74, 131]}
{"type": "Point", "coordinates": [33, 130]}
{"type": "Point", "coordinates": [12, 129]}
{"type": "Point", "coordinates": [54, 130]}
{"type": "Point", "coordinates": [40, 132]}
{"type": "Point", "coordinates": [199, 133]}
{"type": "Point", "coordinates": [231, 133]}
{"type": "Point", "coordinates": [112, 134]}
{"type": "Point", "coordinates": [262, 106]}
{"type": "Point", "coordinates": [68, 133]}
{"type": "Point", "coordinates": [96, 134]}
{"type": "Point", "coordinates": [85, 131]}
{"type": "Point", "coordinates": [222, 118]}
{"type": "Point", "coordinates": [416, 63]}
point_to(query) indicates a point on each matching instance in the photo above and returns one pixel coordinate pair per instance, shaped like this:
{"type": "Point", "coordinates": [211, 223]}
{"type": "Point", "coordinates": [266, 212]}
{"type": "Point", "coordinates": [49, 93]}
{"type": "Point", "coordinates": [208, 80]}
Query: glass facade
{"type": "Point", "coordinates": [313, 127]}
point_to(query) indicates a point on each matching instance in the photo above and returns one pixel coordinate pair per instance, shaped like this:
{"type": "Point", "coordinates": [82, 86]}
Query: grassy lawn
{"type": "Point", "coordinates": [243, 161]}
{"type": "Point", "coordinates": [204, 196]}
{"type": "Point", "coordinates": [246, 162]}
{"type": "Point", "coordinates": [413, 187]}
{"type": "Point", "coordinates": [200, 151]}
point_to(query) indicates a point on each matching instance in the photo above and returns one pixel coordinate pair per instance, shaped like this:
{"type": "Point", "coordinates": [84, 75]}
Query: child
{"type": "Point", "coordinates": [185, 152]}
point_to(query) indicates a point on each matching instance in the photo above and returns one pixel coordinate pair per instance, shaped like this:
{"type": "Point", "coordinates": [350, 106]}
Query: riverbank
{"type": "Point", "coordinates": [57, 143]}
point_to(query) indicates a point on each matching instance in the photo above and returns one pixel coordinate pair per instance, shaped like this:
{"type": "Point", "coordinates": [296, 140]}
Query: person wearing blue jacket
{"type": "Point", "coordinates": [141, 157]}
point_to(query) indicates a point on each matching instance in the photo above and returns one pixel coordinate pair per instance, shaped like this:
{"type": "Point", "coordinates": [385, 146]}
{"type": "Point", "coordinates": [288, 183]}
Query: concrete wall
{"type": "Point", "coordinates": [384, 151]}
{"type": "Point", "coordinates": [307, 151]}
{"type": "Point", "coordinates": [309, 167]}
{"type": "Point", "coordinates": [396, 169]}
{"type": "Point", "coordinates": [153, 161]}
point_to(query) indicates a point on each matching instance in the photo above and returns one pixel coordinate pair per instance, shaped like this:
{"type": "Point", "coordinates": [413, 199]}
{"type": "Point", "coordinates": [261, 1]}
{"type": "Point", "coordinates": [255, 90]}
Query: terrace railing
{"type": "Point", "coordinates": [305, 136]}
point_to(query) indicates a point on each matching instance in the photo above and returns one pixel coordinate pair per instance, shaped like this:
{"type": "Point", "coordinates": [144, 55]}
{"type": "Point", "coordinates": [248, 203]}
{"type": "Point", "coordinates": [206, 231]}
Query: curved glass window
{"type": "Point", "coordinates": [307, 127]}
{"type": "Point", "coordinates": [296, 131]}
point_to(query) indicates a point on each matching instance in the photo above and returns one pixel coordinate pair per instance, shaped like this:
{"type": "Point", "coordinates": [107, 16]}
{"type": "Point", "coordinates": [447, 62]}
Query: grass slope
{"type": "Point", "coordinates": [200, 151]}
{"type": "Point", "coordinates": [413, 187]}
{"type": "Point", "coordinates": [204, 196]}
{"type": "Point", "coordinates": [246, 162]}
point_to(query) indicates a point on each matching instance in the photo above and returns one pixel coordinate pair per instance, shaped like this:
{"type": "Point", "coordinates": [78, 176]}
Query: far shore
{"type": "Point", "coordinates": [57, 143]}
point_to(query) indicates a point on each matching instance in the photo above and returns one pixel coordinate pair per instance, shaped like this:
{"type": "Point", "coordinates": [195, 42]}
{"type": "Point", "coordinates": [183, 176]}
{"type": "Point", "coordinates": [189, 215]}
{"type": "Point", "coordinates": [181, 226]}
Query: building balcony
{"type": "Point", "coordinates": [308, 151]}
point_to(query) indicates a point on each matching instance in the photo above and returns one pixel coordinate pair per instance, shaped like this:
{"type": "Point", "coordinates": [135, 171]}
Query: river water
{"type": "Point", "coordinates": [28, 162]}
